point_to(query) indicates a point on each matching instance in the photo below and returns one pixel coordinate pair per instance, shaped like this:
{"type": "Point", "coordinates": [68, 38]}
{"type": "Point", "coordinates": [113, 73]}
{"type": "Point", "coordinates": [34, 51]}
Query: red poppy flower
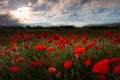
{"type": "Point", "coordinates": [16, 36]}
{"type": "Point", "coordinates": [101, 67]}
{"type": "Point", "coordinates": [22, 34]}
{"type": "Point", "coordinates": [90, 45]}
{"type": "Point", "coordinates": [45, 34]}
{"type": "Point", "coordinates": [117, 70]}
{"type": "Point", "coordinates": [16, 54]}
{"type": "Point", "coordinates": [20, 60]}
{"type": "Point", "coordinates": [96, 47]}
{"type": "Point", "coordinates": [58, 74]}
{"type": "Point", "coordinates": [14, 69]}
{"type": "Point", "coordinates": [101, 77]}
{"type": "Point", "coordinates": [50, 49]}
{"type": "Point", "coordinates": [113, 60]}
{"type": "Point", "coordinates": [49, 41]}
{"type": "Point", "coordinates": [52, 70]}
{"type": "Point", "coordinates": [27, 38]}
{"type": "Point", "coordinates": [78, 52]}
{"type": "Point", "coordinates": [26, 46]}
{"type": "Point", "coordinates": [109, 52]}
{"type": "Point", "coordinates": [12, 43]}
{"type": "Point", "coordinates": [117, 37]}
{"type": "Point", "coordinates": [40, 48]}
{"type": "Point", "coordinates": [56, 36]}
{"type": "Point", "coordinates": [77, 46]}
{"type": "Point", "coordinates": [67, 64]}
{"type": "Point", "coordinates": [107, 33]}
{"type": "Point", "coordinates": [35, 64]}
{"type": "Point", "coordinates": [13, 49]}
{"type": "Point", "coordinates": [87, 62]}
{"type": "Point", "coordinates": [75, 39]}
{"type": "Point", "coordinates": [85, 38]}
{"type": "Point", "coordinates": [42, 60]}
{"type": "Point", "coordinates": [52, 64]}
{"type": "Point", "coordinates": [70, 33]}
{"type": "Point", "coordinates": [95, 39]}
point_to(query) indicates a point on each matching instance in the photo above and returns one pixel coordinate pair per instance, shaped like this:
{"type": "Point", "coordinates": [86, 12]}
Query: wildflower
{"type": "Point", "coordinates": [52, 70]}
{"type": "Point", "coordinates": [45, 34]}
{"type": "Point", "coordinates": [58, 74]}
{"type": "Point", "coordinates": [113, 60]}
{"type": "Point", "coordinates": [47, 62]}
{"type": "Point", "coordinates": [87, 62]}
{"type": "Point", "coordinates": [27, 38]}
{"type": "Point", "coordinates": [16, 54]}
{"type": "Point", "coordinates": [40, 48]}
{"type": "Point", "coordinates": [107, 33]}
{"type": "Point", "coordinates": [35, 64]}
{"type": "Point", "coordinates": [56, 36]}
{"type": "Point", "coordinates": [109, 52]}
{"type": "Point", "coordinates": [12, 43]}
{"type": "Point", "coordinates": [90, 45]}
{"type": "Point", "coordinates": [96, 47]}
{"type": "Point", "coordinates": [113, 42]}
{"type": "Point", "coordinates": [77, 46]}
{"type": "Point", "coordinates": [13, 49]}
{"type": "Point", "coordinates": [116, 70]}
{"type": "Point", "coordinates": [101, 67]}
{"type": "Point", "coordinates": [70, 33]}
{"type": "Point", "coordinates": [67, 64]}
{"type": "Point", "coordinates": [16, 36]}
{"type": "Point", "coordinates": [78, 52]}
{"type": "Point", "coordinates": [52, 64]}
{"type": "Point", "coordinates": [49, 41]}
{"type": "Point", "coordinates": [22, 34]}
{"type": "Point", "coordinates": [50, 49]}
{"type": "Point", "coordinates": [75, 39]}
{"type": "Point", "coordinates": [101, 77]}
{"type": "Point", "coordinates": [42, 60]}
{"type": "Point", "coordinates": [26, 46]}
{"type": "Point", "coordinates": [95, 39]}
{"type": "Point", "coordinates": [117, 37]}
{"type": "Point", "coordinates": [85, 38]}
{"type": "Point", "coordinates": [14, 69]}
{"type": "Point", "coordinates": [20, 60]}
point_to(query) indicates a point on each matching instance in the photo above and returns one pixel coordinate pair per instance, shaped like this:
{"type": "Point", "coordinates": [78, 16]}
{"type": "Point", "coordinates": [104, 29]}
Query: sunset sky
{"type": "Point", "coordinates": [59, 12]}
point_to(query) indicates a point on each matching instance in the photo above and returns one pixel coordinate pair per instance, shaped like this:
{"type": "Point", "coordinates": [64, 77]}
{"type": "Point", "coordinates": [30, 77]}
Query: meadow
{"type": "Point", "coordinates": [47, 54]}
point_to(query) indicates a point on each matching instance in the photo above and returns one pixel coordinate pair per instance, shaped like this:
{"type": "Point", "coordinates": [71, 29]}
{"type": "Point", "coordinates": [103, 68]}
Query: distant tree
{"type": "Point", "coordinates": [28, 27]}
{"type": "Point", "coordinates": [67, 27]}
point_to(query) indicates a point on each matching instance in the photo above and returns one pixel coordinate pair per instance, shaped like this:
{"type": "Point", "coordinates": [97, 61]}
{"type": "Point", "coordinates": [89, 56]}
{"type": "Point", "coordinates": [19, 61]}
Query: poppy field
{"type": "Point", "coordinates": [60, 55]}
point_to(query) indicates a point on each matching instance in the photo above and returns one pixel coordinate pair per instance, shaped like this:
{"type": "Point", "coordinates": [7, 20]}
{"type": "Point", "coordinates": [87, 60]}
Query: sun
{"type": "Point", "coordinates": [22, 14]}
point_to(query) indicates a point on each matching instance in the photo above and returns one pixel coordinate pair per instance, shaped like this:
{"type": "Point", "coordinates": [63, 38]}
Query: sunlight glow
{"type": "Point", "coordinates": [22, 14]}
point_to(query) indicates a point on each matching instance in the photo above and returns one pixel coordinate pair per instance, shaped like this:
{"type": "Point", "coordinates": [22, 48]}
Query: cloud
{"type": "Point", "coordinates": [7, 20]}
{"type": "Point", "coordinates": [77, 24]}
{"type": "Point", "coordinates": [76, 12]}
{"type": "Point", "coordinates": [4, 3]}
{"type": "Point", "coordinates": [96, 4]}
{"type": "Point", "coordinates": [3, 11]}
{"type": "Point", "coordinates": [41, 4]}
{"type": "Point", "coordinates": [99, 10]}
{"type": "Point", "coordinates": [61, 8]}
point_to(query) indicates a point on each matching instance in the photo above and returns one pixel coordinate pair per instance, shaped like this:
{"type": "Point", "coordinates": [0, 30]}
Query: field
{"type": "Point", "coordinates": [46, 54]}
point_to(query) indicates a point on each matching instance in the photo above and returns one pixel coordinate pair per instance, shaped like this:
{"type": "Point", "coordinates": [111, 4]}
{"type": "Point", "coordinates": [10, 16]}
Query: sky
{"type": "Point", "coordinates": [58, 12]}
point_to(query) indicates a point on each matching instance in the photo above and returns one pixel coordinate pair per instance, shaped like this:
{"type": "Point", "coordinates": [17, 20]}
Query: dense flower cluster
{"type": "Point", "coordinates": [54, 56]}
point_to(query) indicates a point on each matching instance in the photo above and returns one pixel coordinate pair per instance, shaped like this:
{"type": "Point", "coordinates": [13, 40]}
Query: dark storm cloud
{"type": "Point", "coordinates": [7, 20]}
{"type": "Point", "coordinates": [14, 4]}
{"type": "Point", "coordinates": [84, 1]}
